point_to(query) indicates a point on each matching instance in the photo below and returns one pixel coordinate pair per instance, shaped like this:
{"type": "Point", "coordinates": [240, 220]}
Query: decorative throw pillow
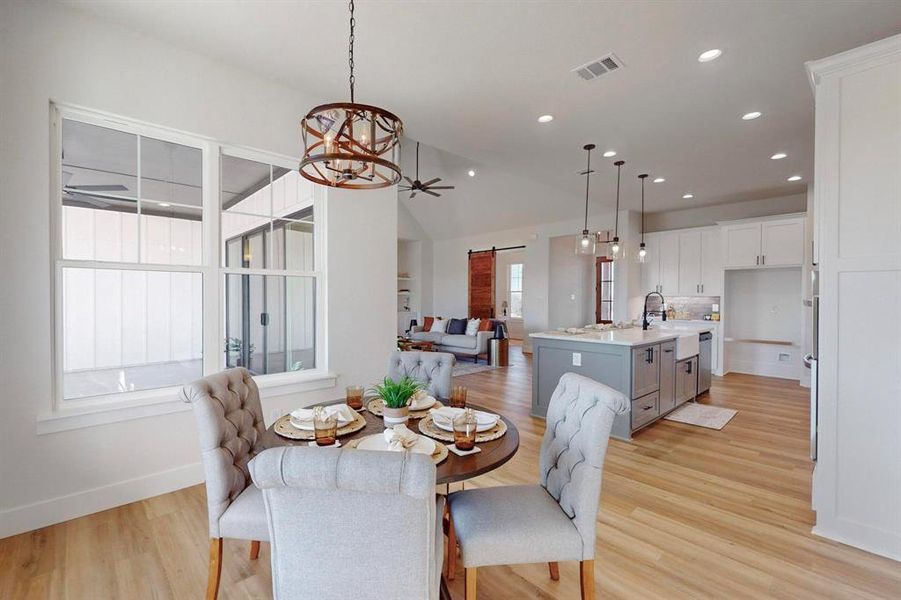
{"type": "Point", "coordinates": [486, 325]}
{"type": "Point", "coordinates": [456, 327]}
{"type": "Point", "coordinates": [472, 326]}
{"type": "Point", "coordinates": [438, 325]}
{"type": "Point", "coordinates": [427, 323]}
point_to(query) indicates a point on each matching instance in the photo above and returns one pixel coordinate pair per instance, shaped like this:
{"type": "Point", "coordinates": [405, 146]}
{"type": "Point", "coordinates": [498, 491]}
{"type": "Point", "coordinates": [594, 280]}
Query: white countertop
{"type": "Point", "coordinates": [621, 337]}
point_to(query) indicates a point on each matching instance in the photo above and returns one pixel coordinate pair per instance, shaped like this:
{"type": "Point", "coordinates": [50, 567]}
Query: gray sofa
{"type": "Point", "coordinates": [467, 345]}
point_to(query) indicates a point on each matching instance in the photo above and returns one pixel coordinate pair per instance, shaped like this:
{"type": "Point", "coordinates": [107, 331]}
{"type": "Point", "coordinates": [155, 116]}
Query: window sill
{"type": "Point", "coordinates": [152, 403]}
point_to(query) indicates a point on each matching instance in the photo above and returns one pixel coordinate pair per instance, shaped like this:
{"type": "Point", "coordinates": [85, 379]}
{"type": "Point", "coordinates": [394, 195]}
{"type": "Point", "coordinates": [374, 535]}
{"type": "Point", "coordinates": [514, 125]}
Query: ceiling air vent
{"type": "Point", "coordinates": [596, 68]}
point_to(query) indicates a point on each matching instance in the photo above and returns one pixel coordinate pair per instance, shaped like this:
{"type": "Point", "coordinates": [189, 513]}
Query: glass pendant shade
{"type": "Point", "coordinates": [586, 243]}
{"type": "Point", "coordinates": [642, 253]}
{"type": "Point", "coordinates": [615, 249]}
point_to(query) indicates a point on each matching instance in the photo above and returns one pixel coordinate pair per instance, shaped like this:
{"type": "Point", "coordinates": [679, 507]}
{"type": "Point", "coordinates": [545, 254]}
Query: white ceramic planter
{"type": "Point", "coordinates": [395, 416]}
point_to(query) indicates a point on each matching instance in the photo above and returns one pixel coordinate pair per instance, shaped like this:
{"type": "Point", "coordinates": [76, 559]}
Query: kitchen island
{"type": "Point", "coordinates": [657, 369]}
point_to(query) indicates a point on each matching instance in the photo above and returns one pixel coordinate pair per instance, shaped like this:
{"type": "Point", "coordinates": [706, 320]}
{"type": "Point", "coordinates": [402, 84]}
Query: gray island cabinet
{"type": "Point", "coordinates": [640, 364]}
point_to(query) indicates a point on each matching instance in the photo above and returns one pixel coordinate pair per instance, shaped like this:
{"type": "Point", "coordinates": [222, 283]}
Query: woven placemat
{"type": "Point", "coordinates": [427, 427]}
{"type": "Point", "coordinates": [438, 456]}
{"type": "Point", "coordinates": [284, 428]}
{"type": "Point", "coordinates": [376, 406]}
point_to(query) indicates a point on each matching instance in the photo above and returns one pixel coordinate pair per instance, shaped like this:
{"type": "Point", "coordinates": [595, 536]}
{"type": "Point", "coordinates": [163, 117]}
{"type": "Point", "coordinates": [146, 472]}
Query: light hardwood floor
{"type": "Point", "coordinates": [686, 512]}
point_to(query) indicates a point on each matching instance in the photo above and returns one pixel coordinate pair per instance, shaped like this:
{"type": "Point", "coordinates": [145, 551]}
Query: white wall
{"type": "Point", "coordinates": [571, 277]}
{"type": "Point", "coordinates": [52, 52]}
{"type": "Point", "coordinates": [709, 215]}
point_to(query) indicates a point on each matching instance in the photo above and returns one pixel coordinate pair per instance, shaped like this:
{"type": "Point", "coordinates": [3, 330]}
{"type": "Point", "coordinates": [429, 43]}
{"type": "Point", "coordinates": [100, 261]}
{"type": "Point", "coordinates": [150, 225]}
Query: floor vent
{"type": "Point", "coordinates": [596, 68]}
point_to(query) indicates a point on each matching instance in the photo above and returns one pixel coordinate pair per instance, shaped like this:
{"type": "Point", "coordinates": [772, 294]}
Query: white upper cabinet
{"type": "Point", "coordinates": [742, 245]}
{"type": "Point", "coordinates": [668, 244]}
{"type": "Point", "coordinates": [782, 243]}
{"type": "Point", "coordinates": [711, 262]}
{"type": "Point", "coordinates": [770, 243]}
{"type": "Point", "coordinates": [689, 263]}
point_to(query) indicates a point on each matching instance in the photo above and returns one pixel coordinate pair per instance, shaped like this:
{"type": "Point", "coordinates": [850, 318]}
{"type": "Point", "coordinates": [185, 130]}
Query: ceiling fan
{"type": "Point", "coordinates": [424, 187]}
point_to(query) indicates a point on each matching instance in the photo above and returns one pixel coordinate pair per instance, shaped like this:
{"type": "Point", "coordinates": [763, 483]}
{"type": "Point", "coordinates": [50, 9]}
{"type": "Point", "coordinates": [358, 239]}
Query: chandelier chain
{"type": "Point", "coordinates": [350, 51]}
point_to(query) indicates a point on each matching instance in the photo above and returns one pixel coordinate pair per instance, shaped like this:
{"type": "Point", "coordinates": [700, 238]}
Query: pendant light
{"type": "Point", "coordinates": [642, 251]}
{"type": "Point", "coordinates": [614, 245]}
{"type": "Point", "coordinates": [585, 243]}
{"type": "Point", "coordinates": [350, 145]}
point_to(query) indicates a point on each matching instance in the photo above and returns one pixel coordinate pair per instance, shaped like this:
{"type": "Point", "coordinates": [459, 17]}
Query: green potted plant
{"type": "Point", "coordinates": [396, 396]}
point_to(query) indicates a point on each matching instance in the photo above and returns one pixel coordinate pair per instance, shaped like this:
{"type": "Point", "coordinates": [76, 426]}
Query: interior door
{"type": "Point", "coordinates": [690, 263]}
{"type": "Point", "coordinates": [481, 284]}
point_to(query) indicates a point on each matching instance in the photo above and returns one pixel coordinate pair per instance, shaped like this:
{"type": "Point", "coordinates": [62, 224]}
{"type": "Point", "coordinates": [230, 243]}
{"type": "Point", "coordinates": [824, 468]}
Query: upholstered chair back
{"type": "Point", "coordinates": [350, 523]}
{"type": "Point", "coordinates": [579, 418]}
{"type": "Point", "coordinates": [230, 426]}
{"type": "Point", "coordinates": [433, 369]}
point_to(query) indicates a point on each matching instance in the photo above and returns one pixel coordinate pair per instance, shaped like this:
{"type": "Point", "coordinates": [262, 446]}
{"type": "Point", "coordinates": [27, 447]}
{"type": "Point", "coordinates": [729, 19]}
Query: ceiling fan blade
{"type": "Point", "coordinates": [412, 194]}
{"type": "Point", "coordinates": [431, 193]}
{"type": "Point", "coordinates": [431, 181]}
{"type": "Point", "coordinates": [410, 181]}
{"type": "Point", "coordinates": [441, 187]}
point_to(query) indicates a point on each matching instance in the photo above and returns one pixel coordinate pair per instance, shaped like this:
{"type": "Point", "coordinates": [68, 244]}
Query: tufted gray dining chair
{"type": "Point", "coordinates": [336, 511]}
{"type": "Point", "coordinates": [554, 520]}
{"type": "Point", "coordinates": [433, 369]}
{"type": "Point", "coordinates": [230, 426]}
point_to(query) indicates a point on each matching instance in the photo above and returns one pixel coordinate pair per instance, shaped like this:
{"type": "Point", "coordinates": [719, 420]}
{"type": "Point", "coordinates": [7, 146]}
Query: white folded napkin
{"type": "Point", "coordinates": [447, 414]}
{"type": "Point", "coordinates": [400, 438]}
{"type": "Point", "coordinates": [420, 400]}
{"type": "Point", "coordinates": [344, 413]}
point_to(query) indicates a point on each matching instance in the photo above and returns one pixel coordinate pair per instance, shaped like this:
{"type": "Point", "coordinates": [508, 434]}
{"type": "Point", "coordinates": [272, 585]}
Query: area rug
{"type": "Point", "coordinates": [467, 368]}
{"type": "Point", "coordinates": [702, 415]}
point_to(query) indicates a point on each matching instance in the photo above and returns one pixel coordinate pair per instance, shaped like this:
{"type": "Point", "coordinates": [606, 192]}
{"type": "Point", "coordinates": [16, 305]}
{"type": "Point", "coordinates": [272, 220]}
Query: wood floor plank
{"type": "Point", "coordinates": [686, 512]}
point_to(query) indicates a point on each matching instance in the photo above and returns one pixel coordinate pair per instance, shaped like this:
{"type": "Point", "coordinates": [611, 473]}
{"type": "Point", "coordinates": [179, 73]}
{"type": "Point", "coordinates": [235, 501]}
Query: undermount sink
{"type": "Point", "coordinates": [688, 342]}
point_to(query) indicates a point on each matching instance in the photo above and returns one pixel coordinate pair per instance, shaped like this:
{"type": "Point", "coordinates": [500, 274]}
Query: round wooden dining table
{"type": "Point", "coordinates": [453, 469]}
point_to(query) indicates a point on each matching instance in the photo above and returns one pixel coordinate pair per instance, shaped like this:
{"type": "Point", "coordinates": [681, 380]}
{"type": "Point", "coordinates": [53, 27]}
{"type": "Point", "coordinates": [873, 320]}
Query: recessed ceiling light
{"type": "Point", "coordinates": [794, 178]}
{"type": "Point", "coordinates": [709, 55]}
{"type": "Point", "coordinates": [609, 153]}
{"type": "Point", "coordinates": [471, 173]}
{"type": "Point", "coordinates": [687, 196]}
{"type": "Point", "coordinates": [751, 115]}
{"type": "Point", "coordinates": [545, 118]}
{"type": "Point", "coordinates": [659, 180]}
{"type": "Point", "coordinates": [778, 156]}
{"type": "Point", "coordinates": [164, 204]}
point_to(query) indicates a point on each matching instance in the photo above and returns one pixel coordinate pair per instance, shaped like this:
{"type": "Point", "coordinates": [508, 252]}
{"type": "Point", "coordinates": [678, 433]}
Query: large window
{"type": "Point", "coordinates": [165, 272]}
{"type": "Point", "coordinates": [604, 292]}
{"type": "Point", "coordinates": [516, 290]}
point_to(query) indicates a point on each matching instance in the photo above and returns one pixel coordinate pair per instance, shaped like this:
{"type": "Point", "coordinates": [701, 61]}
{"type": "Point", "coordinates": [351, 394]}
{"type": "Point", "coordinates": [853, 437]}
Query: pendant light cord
{"type": "Point", "coordinates": [350, 52]}
{"type": "Point", "coordinates": [587, 183]}
{"type": "Point", "coordinates": [642, 209]}
{"type": "Point", "coordinates": [619, 168]}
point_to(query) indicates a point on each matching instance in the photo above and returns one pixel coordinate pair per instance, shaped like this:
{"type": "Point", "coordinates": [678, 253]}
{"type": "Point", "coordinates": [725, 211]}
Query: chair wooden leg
{"type": "Point", "coordinates": [254, 549]}
{"type": "Point", "coordinates": [451, 553]}
{"type": "Point", "coordinates": [586, 579]}
{"type": "Point", "coordinates": [212, 585]}
{"type": "Point", "coordinates": [470, 575]}
{"type": "Point", "coordinates": [554, 569]}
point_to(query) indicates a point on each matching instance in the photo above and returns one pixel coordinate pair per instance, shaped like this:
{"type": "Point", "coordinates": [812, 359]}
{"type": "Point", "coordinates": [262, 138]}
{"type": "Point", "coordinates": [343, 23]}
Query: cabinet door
{"type": "Point", "coordinates": [742, 245]}
{"type": "Point", "coordinates": [668, 244]}
{"type": "Point", "coordinates": [650, 269]}
{"type": "Point", "coordinates": [690, 263]}
{"type": "Point", "coordinates": [645, 370]}
{"type": "Point", "coordinates": [711, 262]}
{"type": "Point", "coordinates": [667, 376]}
{"type": "Point", "coordinates": [782, 242]}
{"type": "Point", "coordinates": [686, 380]}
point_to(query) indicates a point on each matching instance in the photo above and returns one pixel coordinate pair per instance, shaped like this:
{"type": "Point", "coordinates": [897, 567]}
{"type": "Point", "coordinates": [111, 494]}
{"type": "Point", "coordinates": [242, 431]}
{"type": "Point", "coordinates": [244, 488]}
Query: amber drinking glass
{"type": "Point", "coordinates": [465, 430]}
{"type": "Point", "coordinates": [354, 396]}
{"type": "Point", "coordinates": [458, 397]}
{"type": "Point", "coordinates": [325, 427]}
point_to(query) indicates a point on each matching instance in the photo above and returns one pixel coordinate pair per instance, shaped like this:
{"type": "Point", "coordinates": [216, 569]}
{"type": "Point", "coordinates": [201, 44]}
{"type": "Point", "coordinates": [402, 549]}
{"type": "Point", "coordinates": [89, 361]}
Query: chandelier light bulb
{"type": "Point", "coordinates": [642, 254]}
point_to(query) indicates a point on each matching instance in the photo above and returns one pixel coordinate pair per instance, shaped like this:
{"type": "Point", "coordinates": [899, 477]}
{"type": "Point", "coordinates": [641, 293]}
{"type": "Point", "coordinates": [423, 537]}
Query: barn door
{"type": "Point", "coordinates": [481, 284]}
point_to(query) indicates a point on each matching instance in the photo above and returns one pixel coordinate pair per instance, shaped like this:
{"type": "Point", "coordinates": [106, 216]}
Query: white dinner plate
{"type": "Point", "coordinates": [427, 402]}
{"type": "Point", "coordinates": [485, 421]}
{"type": "Point", "coordinates": [423, 444]}
{"type": "Point", "coordinates": [307, 424]}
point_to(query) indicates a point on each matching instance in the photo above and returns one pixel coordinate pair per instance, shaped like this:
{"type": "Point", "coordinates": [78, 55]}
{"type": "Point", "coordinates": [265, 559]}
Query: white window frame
{"type": "Point", "coordinates": [510, 289]}
{"type": "Point", "coordinates": [59, 414]}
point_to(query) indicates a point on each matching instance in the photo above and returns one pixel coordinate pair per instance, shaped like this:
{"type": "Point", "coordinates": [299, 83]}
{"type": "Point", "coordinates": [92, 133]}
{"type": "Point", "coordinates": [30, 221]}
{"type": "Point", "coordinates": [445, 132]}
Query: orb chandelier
{"type": "Point", "coordinates": [350, 145]}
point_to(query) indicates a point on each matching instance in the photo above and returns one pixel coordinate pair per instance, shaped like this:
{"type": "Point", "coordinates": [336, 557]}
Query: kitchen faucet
{"type": "Point", "coordinates": [646, 312]}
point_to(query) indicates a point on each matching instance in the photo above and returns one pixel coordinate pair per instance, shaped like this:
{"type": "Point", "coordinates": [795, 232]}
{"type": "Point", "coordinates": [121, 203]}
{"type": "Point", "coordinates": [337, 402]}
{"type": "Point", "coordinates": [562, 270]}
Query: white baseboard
{"type": "Point", "coordinates": [63, 508]}
{"type": "Point", "coordinates": [780, 370]}
{"type": "Point", "coordinates": [876, 541]}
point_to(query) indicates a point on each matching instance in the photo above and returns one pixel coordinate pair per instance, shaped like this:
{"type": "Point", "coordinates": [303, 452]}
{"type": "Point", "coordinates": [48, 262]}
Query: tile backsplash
{"type": "Point", "coordinates": [687, 307]}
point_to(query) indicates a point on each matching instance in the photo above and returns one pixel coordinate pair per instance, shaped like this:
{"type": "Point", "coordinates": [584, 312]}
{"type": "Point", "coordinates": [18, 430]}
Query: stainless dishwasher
{"type": "Point", "coordinates": [704, 360]}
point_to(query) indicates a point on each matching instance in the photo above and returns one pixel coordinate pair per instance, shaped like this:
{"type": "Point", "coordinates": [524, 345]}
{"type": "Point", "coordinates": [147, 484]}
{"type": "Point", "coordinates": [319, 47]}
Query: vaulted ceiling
{"type": "Point", "coordinates": [470, 78]}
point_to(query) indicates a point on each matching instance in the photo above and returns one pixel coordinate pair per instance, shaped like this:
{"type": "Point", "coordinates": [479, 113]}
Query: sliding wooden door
{"type": "Point", "coordinates": [481, 284]}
